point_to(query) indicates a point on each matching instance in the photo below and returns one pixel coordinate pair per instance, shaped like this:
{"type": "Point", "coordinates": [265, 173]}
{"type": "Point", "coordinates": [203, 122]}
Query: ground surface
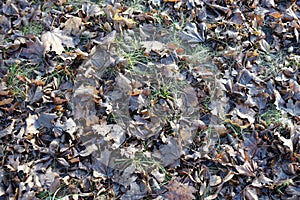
{"type": "Point", "coordinates": [149, 99]}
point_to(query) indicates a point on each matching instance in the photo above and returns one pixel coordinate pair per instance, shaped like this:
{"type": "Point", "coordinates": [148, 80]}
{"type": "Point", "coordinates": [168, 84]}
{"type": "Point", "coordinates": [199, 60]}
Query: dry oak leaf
{"type": "Point", "coordinates": [73, 25]}
{"type": "Point", "coordinates": [55, 40]}
{"type": "Point", "coordinates": [178, 191]}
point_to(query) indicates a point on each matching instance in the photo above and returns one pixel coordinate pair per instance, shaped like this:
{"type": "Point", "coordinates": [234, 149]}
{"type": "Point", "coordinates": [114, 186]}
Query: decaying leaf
{"type": "Point", "coordinates": [123, 21]}
{"type": "Point", "coordinates": [115, 105]}
{"type": "Point", "coordinates": [178, 191]}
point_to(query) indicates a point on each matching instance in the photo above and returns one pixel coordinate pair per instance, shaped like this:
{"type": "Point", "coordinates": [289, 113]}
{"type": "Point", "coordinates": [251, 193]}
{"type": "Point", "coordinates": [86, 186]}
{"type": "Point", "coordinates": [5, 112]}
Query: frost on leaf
{"type": "Point", "coordinates": [56, 41]}
{"type": "Point", "coordinates": [191, 34]}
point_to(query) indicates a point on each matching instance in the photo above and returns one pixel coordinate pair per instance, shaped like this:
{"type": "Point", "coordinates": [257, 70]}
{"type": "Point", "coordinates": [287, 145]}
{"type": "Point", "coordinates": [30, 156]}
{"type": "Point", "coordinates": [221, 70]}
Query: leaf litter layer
{"type": "Point", "coordinates": [154, 100]}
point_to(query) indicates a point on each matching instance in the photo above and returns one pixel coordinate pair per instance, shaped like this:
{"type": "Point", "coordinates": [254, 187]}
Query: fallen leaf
{"type": "Point", "coordinates": [56, 40]}
{"type": "Point", "coordinates": [33, 50]}
{"type": "Point", "coordinates": [250, 193]}
{"type": "Point", "coordinates": [8, 130]}
{"type": "Point", "coordinates": [179, 191]}
{"type": "Point", "coordinates": [72, 26]}
{"type": "Point", "coordinates": [91, 10]}
{"type": "Point", "coordinates": [155, 46]}
{"type": "Point", "coordinates": [6, 101]}
{"type": "Point", "coordinates": [4, 24]}
{"type": "Point", "coordinates": [215, 180]}
{"type": "Point", "coordinates": [191, 34]}
{"type": "Point", "coordinates": [130, 23]}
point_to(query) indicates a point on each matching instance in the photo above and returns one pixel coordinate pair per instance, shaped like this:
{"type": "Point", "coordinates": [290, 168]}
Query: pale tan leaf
{"type": "Point", "coordinates": [250, 193]}
{"type": "Point", "coordinates": [215, 180]}
{"type": "Point", "coordinates": [72, 26]}
{"type": "Point", "coordinates": [152, 45]}
{"type": "Point", "coordinates": [55, 41]}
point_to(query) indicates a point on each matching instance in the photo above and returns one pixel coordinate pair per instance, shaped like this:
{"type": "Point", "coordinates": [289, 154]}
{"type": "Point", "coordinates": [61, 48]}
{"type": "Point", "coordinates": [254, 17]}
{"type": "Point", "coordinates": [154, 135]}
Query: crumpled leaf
{"type": "Point", "coordinates": [191, 34]}
{"type": "Point", "coordinates": [111, 133]}
{"type": "Point", "coordinates": [8, 130]}
{"type": "Point", "coordinates": [69, 126]}
{"type": "Point", "coordinates": [91, 10]}
{"type": "Point", "coordinates": [152, 45]}
{"type": "Point", "coordinates": [31, 124]}
{"type": "Point", "coordinates": [89, 150]}
{"type": "Point", "coordinates": [261, 181]}
{"type": "Point", "coordinates": [286, 142]}
{"type": "Point", "coordinates": [215, 180]}
{"type": "Point", "coordinates": [63, 162]}
{"type": "Point", "coordinates": [250, 193]}
{"type": "Point", "coordinates": [247, 169]}
{"type": "Point", "coordinates": [264, 45]}
{"type": "Point", "coordinates": [56, 40]}
{"type": "Point", "coordinates": [130, 23]}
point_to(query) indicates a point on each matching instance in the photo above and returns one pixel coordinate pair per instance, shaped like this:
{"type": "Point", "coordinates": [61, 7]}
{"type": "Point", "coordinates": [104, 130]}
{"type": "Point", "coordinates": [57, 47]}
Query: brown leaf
{"type": "Point", "coordinates": [6, 101]}
{"type": "Point", "coordinates": [275, 14]}
{"type": "Point", "coordinates": [122, 21]}
{"type": "Point", "coordinates": [179, 191]}
{"type": "Point", "coordinates": [72, 26]}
